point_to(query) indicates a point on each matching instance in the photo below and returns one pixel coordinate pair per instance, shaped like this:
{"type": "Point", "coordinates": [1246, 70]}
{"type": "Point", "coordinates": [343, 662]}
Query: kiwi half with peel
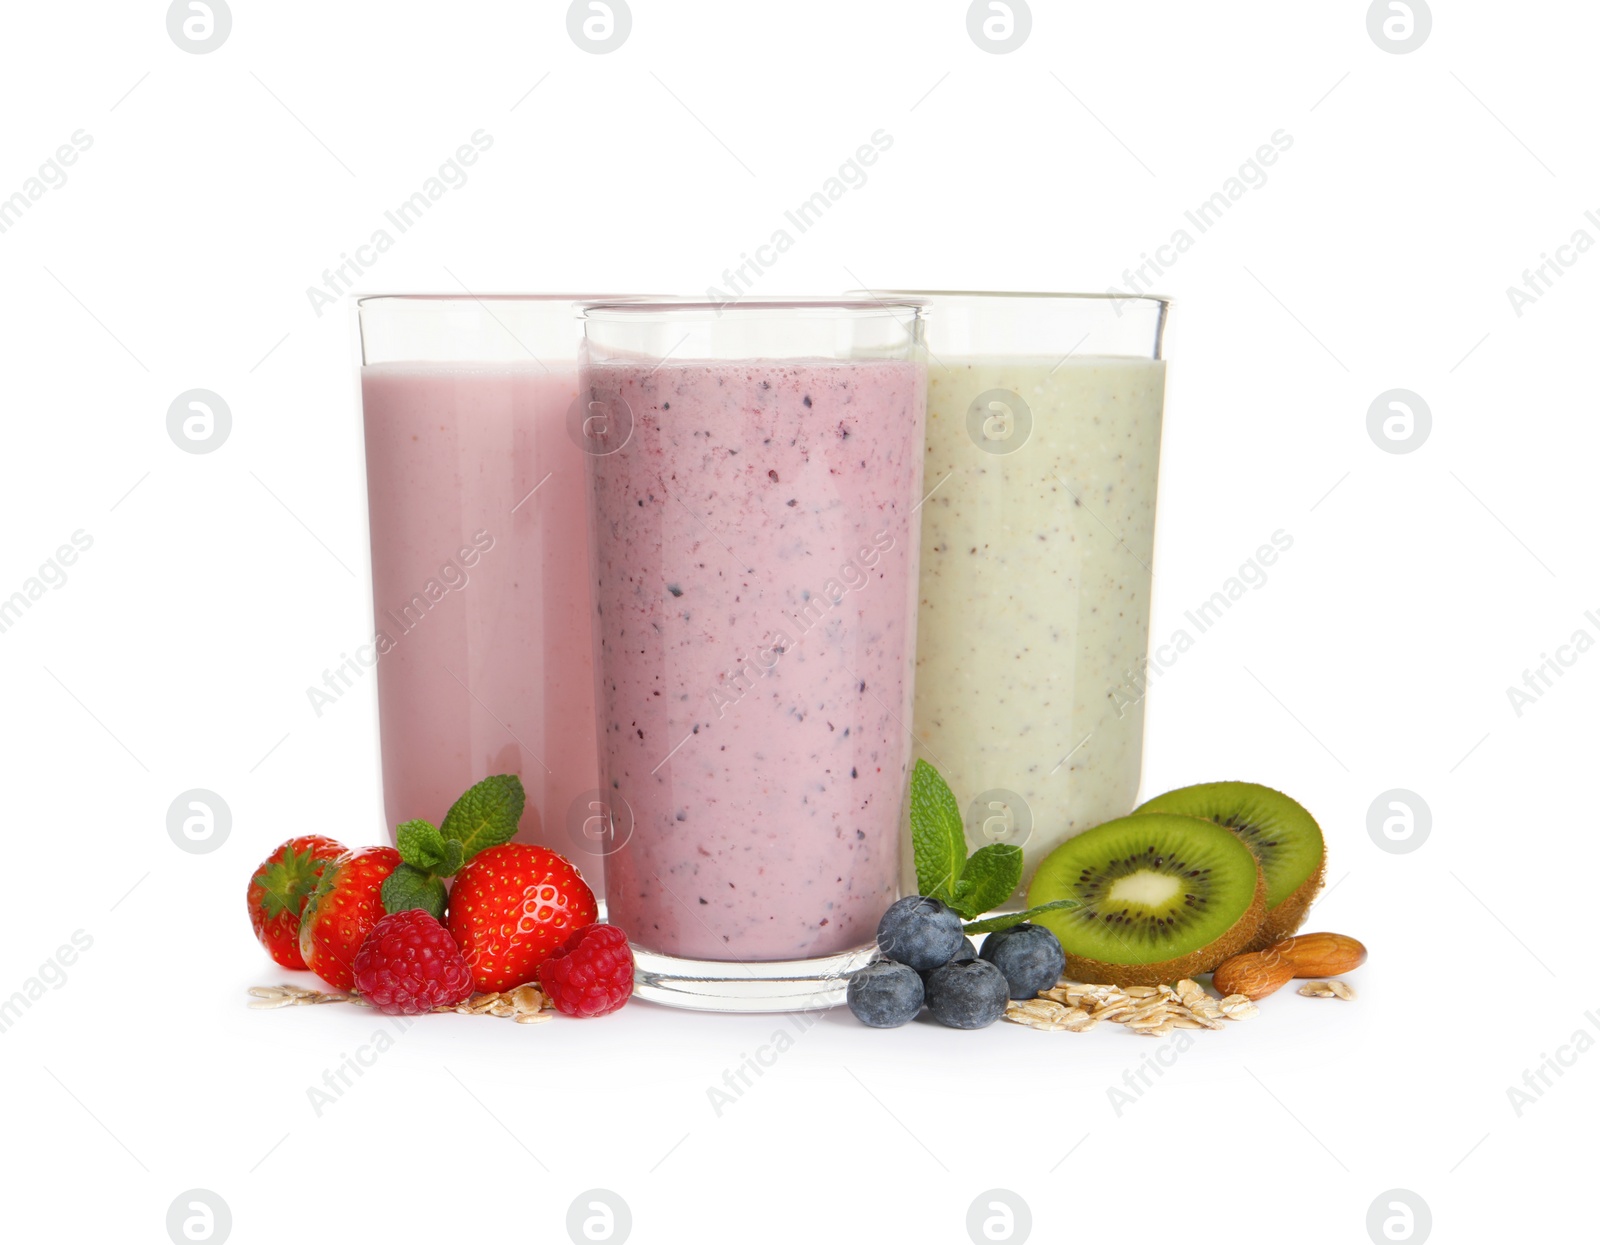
{"type": "Point", "coordinates": [1285, 838]}
{"type": "Point", "coordinates": [1161, 896]}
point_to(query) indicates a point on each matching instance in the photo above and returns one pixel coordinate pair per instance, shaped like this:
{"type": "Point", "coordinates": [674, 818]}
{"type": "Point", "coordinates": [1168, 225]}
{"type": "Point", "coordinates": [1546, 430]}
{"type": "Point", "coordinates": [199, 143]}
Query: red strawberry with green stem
{"type": "Point", "coordinates": [511, 907]}
{"type": "Point", "coordinates": [512, 904]}
{"type": "Point", "coordinates": [278, 892]}
{"type": "Point", "coordinates": [346, 904]}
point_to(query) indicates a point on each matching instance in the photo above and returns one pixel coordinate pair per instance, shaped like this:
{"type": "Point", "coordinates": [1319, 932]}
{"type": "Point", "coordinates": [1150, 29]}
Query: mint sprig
{"type": "Point", "coordinates": [409, 887]}
{"type": "Point", "coordinates": [421, 844]}
{"type": "Point", "coordinates": [970, 885]}
{"type": "Point", "coordinates": [938, 840]}
{"type": "Point", "coordinates": [485, 816]}
{"type": "Point", "coordinates": [990, 875]}
{"type": "Point", "coordinates": [1007, 919]}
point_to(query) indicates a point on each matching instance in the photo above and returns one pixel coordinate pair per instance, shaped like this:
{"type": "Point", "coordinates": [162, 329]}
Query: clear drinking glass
{"type": "Point", "coordinates": [1043, 440]}
{"type": "Point", "coordinates": [754, 476]}
{"type": "Point", "coordinates": [480, 559]}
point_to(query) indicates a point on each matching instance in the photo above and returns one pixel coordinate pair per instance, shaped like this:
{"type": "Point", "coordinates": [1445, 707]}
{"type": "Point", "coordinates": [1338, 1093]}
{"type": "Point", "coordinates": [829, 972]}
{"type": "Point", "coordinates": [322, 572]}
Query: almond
{"type": "Point", "coordinates": [1255, 974]}
{"type": "Point", "coordinates": [1321, 955]}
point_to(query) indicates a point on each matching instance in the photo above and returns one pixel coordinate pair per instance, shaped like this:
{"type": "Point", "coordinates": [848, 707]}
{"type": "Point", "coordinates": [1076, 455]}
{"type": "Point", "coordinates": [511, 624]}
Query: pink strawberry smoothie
{"type": "Point", "coordinates": [480, 584]}
{"type": "Point", "coordinates": [756, 571]}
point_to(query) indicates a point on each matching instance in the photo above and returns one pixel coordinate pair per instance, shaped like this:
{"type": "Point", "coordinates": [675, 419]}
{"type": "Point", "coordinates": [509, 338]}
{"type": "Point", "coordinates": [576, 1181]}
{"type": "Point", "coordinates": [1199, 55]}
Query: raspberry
{"type": "Point", "coordinates": [591, 973]}
{"type": "Point", "coordinates": [408, 963]}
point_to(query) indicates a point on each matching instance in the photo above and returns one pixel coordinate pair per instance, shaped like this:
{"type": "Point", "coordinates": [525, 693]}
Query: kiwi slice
{"type": "Point", "coordinates": [1162, 897]}
{"type": "Point", "coordinates": [1285, 838]}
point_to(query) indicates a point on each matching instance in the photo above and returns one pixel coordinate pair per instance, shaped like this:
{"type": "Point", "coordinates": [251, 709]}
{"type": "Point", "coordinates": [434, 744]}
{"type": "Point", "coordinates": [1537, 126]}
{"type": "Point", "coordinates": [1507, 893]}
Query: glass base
{"type": "Point", "coordinates": [729, 986]}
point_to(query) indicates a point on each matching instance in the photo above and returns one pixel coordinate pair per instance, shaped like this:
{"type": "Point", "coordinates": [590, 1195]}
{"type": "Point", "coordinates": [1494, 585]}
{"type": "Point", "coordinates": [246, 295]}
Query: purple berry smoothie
{"type": "Point", "coordinates": [755, 551]}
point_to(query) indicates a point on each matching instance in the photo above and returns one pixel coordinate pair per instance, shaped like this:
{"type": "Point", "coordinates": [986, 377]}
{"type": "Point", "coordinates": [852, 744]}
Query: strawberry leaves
{"type": "Point", "coordinates": [972, 885]}
{"type": "Point", "coordinates": [288, 877]}
{"type": "Point", "coordinates": [485, 816]}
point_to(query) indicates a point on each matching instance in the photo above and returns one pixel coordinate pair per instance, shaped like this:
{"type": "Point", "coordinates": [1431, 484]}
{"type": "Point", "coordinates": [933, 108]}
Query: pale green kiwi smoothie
{"type": "Point", "coordinates": [1035, 589]}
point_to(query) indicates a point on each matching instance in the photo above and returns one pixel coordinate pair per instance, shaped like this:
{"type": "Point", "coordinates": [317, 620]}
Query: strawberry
{"type": "Point", "coordinates": [510, 907]}
{"type": "Point", "coordinates": [342, 910]}
{"type": "Point", "coordinates": [278, 892]}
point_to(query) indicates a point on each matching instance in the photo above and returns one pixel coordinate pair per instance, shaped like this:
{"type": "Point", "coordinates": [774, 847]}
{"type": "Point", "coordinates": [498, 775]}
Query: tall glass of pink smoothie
{"type": "Point", "coordinates": [480, 560]}
{"type": "Point", "coordinates": [754, 476]}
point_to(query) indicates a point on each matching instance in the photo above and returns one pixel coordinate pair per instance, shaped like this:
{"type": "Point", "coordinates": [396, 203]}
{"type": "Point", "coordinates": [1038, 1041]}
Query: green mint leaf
{"type": "Point", "coordinates": [486, 815]}
{"type": "Point", "coordinates": [1017, 918]}
{"type": "Point", "coordinates": [991, 874]}
{"type": "Point", "coordinates": [454, 857]}
{"type": "Point", "coordinates": [410, 887]}
{"type": "Point", "coordinates": [420, 844]}
{"type": "Point", "coordinates": [938, 840]}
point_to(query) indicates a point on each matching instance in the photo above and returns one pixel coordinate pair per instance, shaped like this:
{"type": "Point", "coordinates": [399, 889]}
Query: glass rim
{"type": "Point", "coordinates": [803, 305]}
{"type": "Point", "coordinates": [1159, 300]}
{"type": "Point", "coordinates": [464, 297]}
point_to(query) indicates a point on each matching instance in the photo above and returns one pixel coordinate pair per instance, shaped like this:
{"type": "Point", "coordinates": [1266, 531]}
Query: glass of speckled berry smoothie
{"type": "Point", "coordinates": [754, 473]}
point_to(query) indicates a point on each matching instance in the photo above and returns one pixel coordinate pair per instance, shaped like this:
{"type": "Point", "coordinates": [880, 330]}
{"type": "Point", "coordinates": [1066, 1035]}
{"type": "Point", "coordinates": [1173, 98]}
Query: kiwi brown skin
{"type": "Point", "coordinates": [1286, 919]}
{"type": "Point", "coordinates": [1240, 936]}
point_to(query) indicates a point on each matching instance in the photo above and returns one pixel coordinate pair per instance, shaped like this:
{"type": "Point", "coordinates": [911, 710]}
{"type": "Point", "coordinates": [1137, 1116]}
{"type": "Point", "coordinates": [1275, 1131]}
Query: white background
{"type": "Point", "coordinates": [220, 186]}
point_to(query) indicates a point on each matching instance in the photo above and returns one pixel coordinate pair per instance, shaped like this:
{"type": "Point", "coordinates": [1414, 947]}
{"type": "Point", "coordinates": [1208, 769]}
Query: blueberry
{"type": "Point", "coordinates": [920, 932]}
{"type": "Point", "coordinates": [966, 951]}
{"type": "Point", "coordinates": [1028, 955]}
{"type": "Point", "coordinates": [967, 994]}
{"type": "Point", "coordinates": [884, 994]}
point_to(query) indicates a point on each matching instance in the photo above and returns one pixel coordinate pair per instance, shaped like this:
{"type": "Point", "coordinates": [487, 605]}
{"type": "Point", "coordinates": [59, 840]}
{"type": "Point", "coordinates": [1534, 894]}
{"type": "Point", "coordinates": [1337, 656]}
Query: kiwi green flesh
{"type": "Point", "coordinates": [1282, 834]}
{"type": "Point", "coordinates": [1284, 837]}
{"type": "Point", "coordinates": [1162, 896]}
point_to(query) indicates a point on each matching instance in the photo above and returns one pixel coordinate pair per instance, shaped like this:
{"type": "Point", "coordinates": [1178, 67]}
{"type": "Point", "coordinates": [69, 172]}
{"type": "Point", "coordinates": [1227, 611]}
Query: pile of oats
{"type": "Point", "coordinates": [1153, 1011]}
{"type": "Point", "coordinates": [293, 996]}
{"type": "Point", "coordinates": [527, 1005]}
{"type": "Point", "coordinates": [1327, 990]}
